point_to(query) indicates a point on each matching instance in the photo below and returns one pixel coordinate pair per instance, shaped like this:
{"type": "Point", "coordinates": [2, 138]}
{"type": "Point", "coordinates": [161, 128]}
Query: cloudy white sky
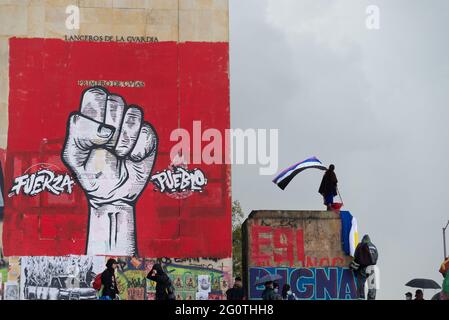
{"type": "Point", "coordinates": [374, 102]}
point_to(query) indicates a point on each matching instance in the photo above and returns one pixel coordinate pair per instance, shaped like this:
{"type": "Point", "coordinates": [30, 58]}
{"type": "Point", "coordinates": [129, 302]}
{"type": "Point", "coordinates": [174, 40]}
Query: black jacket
{"type": "Point", "coordinates": [235, 293]}
{"type": "Point", "coordinates": [109, 283]}
{"type": "Point", "coordinates": [365, 254]}
{"type": "Point", "coordinates": [162, 282]}
{"type": "Point", "coordinates": [269, 294]}
{"type": "Point", "coordinates": [328, 185]}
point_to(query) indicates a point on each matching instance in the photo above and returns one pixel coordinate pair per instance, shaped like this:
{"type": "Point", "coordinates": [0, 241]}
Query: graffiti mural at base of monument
{"type": "Point", "coordinates": [71, 277]}
{"type": "Point", "coordinates": [59, 278]}
{"type": "Point", "coordinates": [329, 283]}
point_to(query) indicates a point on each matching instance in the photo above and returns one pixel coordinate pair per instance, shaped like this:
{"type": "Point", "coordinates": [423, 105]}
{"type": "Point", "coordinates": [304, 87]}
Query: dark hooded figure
{"type": "Point", "coordinates": [162, 280]}
{"type": "Point", "coordinates": [236, 292]}
{"type": "Point", "coordinates": [110, 290]}
{"type": "Point", "coordinates": [365, 255]}
{"type": "Point", "coordinates": [328, 187]}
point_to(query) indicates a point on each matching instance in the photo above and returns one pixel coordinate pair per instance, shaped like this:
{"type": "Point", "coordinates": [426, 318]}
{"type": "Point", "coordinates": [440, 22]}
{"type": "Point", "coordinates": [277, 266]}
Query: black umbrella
{"type": "Point", "coordinates": [423, 284]}
{"type": "Point", "coordinates": [268, 278]}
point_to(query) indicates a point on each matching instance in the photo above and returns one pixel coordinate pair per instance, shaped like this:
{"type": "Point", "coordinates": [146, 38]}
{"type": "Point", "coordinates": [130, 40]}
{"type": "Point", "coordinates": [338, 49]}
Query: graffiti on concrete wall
{"type": "Point", "coordinates": [328, 283]}
{"type": "Point", "coordinates": [196, 283]}
{"type": "Point", "coordinates": [59, 278]}
{"type": "Point", "coordinates": [3, 259]}
{"type": "Point", "coordinates": [40, 181]}
{"type": "Point", "coordinates": [2, 203]}
{"type": "Point", "coordinates": [77, 180]}
{"type": "Point", "coordinates": [71, 277]}
{"type": "Point", "coordinates": [80, 161]}
{"type": "Point", "coordinates": [11, 290]}
{"type": "Point", "coordinates": [131, 278]}
{"type": "Point", "coordinates": [284, 245]}
{"type": "Point", "coordinates": [180, 180]}
{"type": "Point", "coordinates": [196, 278]}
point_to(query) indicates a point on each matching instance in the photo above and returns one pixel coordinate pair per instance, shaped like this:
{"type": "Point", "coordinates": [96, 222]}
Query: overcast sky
{"type": "Point", "coordinates": [373, 102]}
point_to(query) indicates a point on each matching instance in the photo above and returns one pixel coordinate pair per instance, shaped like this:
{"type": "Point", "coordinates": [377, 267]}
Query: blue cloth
{"type": "Point", "coordinates": [329, 199]}
{"type": "Point", "coordinates": [105, 298]}
{"type": "Point", "coordinates": [346, 225]}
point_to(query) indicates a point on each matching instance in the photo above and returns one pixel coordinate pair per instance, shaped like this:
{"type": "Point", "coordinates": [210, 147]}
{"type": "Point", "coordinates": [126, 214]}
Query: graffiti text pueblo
{"type": "Point", "coordinates": [331, 283]}
{"type": "Point", "coordinates": [179, 180]}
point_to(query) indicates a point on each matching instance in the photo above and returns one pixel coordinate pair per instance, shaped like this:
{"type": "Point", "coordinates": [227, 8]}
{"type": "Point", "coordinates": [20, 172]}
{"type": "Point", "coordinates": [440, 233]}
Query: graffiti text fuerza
{"type": "Point", "coordinates": [42, 180]}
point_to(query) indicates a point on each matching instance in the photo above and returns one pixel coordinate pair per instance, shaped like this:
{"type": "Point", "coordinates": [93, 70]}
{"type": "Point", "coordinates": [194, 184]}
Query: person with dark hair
{"type": "Point", "coordinates": [287, 293]}
{"type": "Point", "coordinates": [328, 187]}
{"type": "Point", "coordinates": [109, 282]}
{"type": "Point", "coordinates": [419, 295]}
{"type": "Point", "coordinates": [408, 296]}
{"type": "Point", "coordinates": [268, 294]}
{"type": "Point", "coordinates": [236, 292]}
{"type": "Point", "coordinates": [163, 283]}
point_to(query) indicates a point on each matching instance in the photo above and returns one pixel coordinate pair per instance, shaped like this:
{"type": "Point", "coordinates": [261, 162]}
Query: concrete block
{"type": "Point", "coordinates": [14, 20]}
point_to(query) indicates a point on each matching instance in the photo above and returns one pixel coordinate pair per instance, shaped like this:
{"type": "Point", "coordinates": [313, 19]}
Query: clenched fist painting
{"type": "Point", "coordinates": [87, 165]}
{"type": "Point", "coordinates": [111, 150]}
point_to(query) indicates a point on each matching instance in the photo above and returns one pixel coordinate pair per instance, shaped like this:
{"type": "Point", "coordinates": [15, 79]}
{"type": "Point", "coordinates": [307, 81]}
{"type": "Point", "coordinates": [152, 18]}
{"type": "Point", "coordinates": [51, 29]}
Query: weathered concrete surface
{"type": "Point", "coordinates": [294, 239]}
{"type": "Point", "coordinates": [286, 242]}
{"type": "Point", "coordinates": [168, 20]}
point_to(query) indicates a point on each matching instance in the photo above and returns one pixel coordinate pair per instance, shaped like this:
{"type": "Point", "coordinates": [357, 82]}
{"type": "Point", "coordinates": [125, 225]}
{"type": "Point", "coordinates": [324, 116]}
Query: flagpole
{"type": "Point", "coordinates": [444, 240]}
{"type": "Point", "coordinates": [338, 191]}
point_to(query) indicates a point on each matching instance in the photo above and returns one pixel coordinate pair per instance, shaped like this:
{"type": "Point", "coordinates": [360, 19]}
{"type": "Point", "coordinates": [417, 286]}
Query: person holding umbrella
{"type": "Point", "coordinates": [422, 284]}
{"type": "Point", "coordinates": [268, 281]}
{"type": "Point", "coordinates": [268, 294]}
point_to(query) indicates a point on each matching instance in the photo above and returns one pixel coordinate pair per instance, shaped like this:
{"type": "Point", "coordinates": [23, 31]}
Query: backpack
{"type": "Point", "coordinates": [97, 282]}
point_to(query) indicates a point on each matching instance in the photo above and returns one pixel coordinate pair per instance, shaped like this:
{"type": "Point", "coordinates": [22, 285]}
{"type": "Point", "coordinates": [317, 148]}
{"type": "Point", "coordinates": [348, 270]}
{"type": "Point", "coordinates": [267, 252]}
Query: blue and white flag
{"type": "Point", "coordinates": [284, 178]}
{"type": "Point", "coordinates": [349, 232]}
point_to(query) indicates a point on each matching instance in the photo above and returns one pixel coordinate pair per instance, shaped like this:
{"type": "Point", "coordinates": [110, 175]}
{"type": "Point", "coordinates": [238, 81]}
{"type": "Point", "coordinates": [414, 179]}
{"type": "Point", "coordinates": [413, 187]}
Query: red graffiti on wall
{"type": "Point", "coordinates": [2, 155]}
{"type": "Point", "coordinates": [183, 82]}
{"type": "Point", "coordinates": [275, 246]}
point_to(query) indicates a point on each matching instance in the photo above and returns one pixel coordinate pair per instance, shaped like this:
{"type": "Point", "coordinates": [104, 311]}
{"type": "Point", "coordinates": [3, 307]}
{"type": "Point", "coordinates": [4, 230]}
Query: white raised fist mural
{"type": "Point", "coordinates": [111, 151]}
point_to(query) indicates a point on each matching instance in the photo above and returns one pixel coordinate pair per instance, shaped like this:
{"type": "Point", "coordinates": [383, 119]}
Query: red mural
{"type": "Point", "coordinates": [276, 246]}
{"type": "Point", "coordinates": [176, 85]}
